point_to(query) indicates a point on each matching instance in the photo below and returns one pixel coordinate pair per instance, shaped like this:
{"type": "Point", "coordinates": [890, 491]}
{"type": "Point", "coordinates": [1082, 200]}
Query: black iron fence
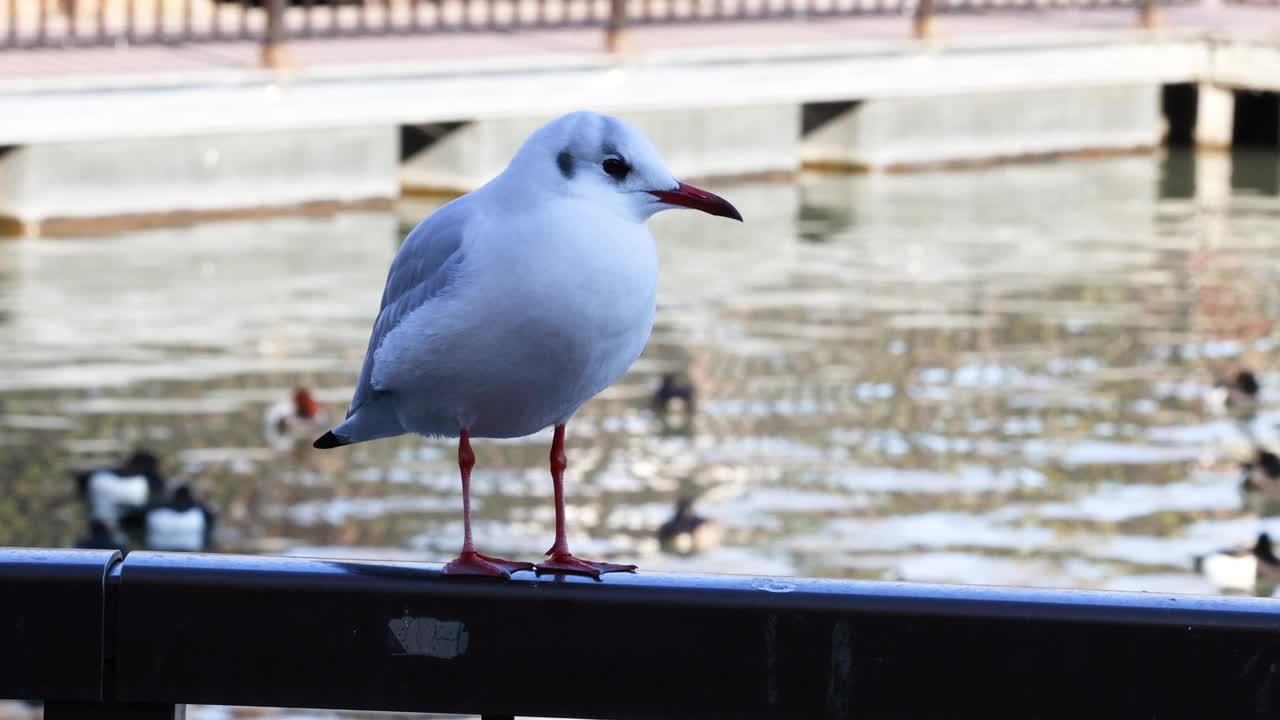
{"type": "Point", "coordinates": [94, 636]}
{"type": "Point", "coordinates": [70, 23]}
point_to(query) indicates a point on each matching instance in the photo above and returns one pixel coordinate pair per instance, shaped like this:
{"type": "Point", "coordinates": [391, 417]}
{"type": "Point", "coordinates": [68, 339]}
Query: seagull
{"type": "Point", "coordinates": [510, 307]}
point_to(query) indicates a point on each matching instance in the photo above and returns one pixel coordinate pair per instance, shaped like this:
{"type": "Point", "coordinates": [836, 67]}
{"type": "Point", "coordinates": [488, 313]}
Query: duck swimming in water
{"type": "Point", "coordinates": [289, 422]}
{"type": "Point", "coordinates": [1235, 397]}
{"type": "Point", "coordinates": [1241, 568]}
{"type": "Point", "coordinates": [1262, 474]}
{"type": "Point", "coordinates": [118, 497]}
{"type": "Point", "coordinates": [688, 532]}
{"type": "Point", "coordinates": [675, 389]}
{"type": "Point", "coordinates": [182, 524]}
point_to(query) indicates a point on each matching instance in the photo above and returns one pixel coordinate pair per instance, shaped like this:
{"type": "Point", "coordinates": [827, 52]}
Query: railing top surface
{"type": "Point", "coordinates": [708, 591]}
{"type": "Point", "coordinates": [273, 631]}
{"type": "Point", "coordinates": [794, 593]}
{"type": "Point", "coordinates": [50, 561]}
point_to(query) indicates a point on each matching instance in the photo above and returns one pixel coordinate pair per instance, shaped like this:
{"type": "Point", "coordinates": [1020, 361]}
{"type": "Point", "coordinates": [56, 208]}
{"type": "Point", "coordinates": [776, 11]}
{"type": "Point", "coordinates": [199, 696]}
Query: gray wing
{"type": "Point", "coordinates": [423, 268]}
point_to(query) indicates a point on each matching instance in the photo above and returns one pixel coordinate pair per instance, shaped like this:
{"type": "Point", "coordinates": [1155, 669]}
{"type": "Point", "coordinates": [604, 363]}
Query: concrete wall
{"type": "Point", "coordinates": [948, 129]}
{"type": "Point", "coordinates": [43, 182]}
{"type": "Point", "coordinates": [696, 143]}
{"type": "Point", "coordinates": [236, 171]}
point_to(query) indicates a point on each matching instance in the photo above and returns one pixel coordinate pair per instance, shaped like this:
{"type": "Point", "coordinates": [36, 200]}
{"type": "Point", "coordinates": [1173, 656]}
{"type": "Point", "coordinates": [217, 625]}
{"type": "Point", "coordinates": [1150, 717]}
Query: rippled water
{"type": "Point", "coordinates": [988, 376]}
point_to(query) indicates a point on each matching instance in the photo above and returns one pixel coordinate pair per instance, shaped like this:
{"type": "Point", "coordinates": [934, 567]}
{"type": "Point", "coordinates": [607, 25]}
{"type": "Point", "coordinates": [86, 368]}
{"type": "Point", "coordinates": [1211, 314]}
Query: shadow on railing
{"type": "Point", "coordinates": [94, 636]}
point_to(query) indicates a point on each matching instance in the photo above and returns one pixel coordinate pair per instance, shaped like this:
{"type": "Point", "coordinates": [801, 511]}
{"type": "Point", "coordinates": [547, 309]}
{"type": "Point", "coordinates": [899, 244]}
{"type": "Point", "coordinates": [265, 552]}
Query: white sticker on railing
{"type": "Point", "coordinates": [428, 636]}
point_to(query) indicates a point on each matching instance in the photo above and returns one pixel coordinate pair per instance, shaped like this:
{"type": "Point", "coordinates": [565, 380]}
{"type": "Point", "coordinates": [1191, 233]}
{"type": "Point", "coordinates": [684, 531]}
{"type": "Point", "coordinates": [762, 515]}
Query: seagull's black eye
{"type": "Point", "coordinates": [616, 167]}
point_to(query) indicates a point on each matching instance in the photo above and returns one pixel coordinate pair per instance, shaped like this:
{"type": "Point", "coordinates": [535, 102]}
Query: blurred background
{"type": "Point", "coordinates": [1001, 311]}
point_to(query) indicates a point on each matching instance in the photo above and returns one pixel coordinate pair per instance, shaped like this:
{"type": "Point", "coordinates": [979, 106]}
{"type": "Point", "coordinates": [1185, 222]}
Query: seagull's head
{"type": "Point", "coordinates": [607, 162]}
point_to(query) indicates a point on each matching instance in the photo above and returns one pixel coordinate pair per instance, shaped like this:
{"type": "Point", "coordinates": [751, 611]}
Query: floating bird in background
{"type": "Point", "coordinates": [181, 524]}
{"type": "Point", "coordinates": [118, 497]}
{"type": "Point", "coordinates": [1236, 397]}
{"type": "Point", "coordinates": [1262, 474]}
{"type": "Point", "coordinates": [675, 389]}
{"type": "Point", "coordinates": [511, 306]}
{"type": "Point", "coordinates": [674, 405]}
{"type": "Point", "coordinates": [1241, 568]}
{"type": "Point", "coordinates": [288, 422]}
{"type": "Point", "coordinates": [688, 532]}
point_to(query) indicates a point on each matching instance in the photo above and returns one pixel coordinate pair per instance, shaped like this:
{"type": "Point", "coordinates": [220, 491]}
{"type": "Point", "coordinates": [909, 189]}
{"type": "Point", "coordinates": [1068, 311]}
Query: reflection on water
{"type": "Point", "coordinates": [977, 377]}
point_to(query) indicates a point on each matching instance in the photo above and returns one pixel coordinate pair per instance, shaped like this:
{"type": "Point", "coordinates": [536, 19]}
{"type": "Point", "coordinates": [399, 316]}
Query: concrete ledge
{"type": "Point", "coordinates": [915, 133]}
{"type": "Point", "coordinates": [830, 166]}
{"type": "Point", "coordinates": [258, 143]}
{"type": "Point", "coordinates": [60, 187]}
{"type": "Point", "coordinates": [72, 226]}
{"type": "Point", "coordinates": [1244, 65]}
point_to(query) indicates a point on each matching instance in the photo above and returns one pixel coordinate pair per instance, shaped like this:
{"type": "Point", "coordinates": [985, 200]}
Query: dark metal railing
{"type": "Point", "coordinates": [71, 23]}
{"type": "Point", "coordinates": [95, 636]}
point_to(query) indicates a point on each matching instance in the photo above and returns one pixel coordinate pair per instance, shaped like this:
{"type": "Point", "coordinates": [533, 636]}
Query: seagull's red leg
{"type": "Point", "coordinates": [470, 562]}
{"type": "Point", "coordinates": [560, 559]}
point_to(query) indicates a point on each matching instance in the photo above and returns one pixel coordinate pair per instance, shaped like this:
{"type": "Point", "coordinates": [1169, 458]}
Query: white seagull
{"type": "Point", "coordinates": [510, 307]}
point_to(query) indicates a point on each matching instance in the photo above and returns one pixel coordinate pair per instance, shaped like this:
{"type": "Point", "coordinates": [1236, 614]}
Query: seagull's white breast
{"type": "Point", "coordinates": [549, 308]}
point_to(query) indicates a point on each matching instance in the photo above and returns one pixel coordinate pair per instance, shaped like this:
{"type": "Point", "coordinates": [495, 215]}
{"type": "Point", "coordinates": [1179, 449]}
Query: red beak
{"type": "Point", "coordinates": [689, 196]}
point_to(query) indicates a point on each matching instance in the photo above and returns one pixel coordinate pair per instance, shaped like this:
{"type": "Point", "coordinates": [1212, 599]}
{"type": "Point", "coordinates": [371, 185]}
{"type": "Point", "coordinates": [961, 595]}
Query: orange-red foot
{"type": "Point", "coordinates": [473, 563]}
{"type": "Point", "coordinates": [566, 563]}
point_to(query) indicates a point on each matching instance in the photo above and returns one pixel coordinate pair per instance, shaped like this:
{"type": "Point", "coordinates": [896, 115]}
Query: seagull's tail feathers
{"type": "Point", "coordinates": [374, 420]}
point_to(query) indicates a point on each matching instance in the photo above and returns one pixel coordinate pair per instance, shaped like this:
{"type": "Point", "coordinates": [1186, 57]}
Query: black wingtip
{"type": "Point", "coordinates": [327, 441]}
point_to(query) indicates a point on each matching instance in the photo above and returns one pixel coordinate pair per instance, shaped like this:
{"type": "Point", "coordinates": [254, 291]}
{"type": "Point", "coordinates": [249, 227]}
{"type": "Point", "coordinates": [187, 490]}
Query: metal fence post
{"type": "Point", "coordinates": [615, 30]}
{"type": "Point", "coordinates": [275, 52]}
{"type": "Point", "coordinates": [922, 20]}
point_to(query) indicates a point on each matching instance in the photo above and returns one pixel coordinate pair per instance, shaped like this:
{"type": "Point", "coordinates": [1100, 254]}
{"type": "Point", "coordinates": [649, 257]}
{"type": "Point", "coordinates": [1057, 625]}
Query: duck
{"type": "Point", "coordinates": [1241, 568]}
{"type": "Point", "coordinates": [182, 524]}
{"type": "Point", "coordinates": [675, 388]}
{"type": "Point", "coordinates": [290, 421]}
{"type": "Point", "coordinates": [1262, 474]}
{"type": "Point", "coordinates": [1237, 396]}
{"type": "Point", "coordinates": [687, 532]}
{"type": "Point", "coordinates": [118, 496]}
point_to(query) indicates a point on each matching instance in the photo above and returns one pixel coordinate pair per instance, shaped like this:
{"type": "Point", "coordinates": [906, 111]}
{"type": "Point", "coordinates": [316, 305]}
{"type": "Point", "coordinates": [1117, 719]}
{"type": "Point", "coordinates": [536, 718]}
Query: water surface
{"type": "Point", "coordinates": [988, 376]}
